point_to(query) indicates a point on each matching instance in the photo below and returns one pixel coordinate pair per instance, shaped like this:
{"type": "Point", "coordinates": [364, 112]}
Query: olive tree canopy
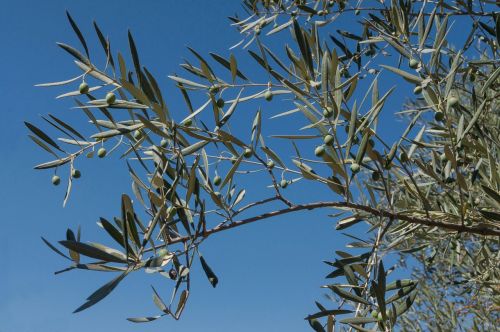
{"type": "Point", "coordinates": [425, 204]}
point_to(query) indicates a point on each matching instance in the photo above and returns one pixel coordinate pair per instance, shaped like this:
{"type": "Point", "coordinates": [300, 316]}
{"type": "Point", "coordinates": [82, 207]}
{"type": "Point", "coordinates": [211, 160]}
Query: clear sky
{"type": "Point", "coordinates": [270, 272]}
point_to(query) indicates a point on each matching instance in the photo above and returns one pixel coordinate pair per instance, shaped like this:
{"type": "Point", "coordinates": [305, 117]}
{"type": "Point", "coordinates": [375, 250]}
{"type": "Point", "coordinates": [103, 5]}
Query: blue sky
{"type": "Point", "coordinates": [269, 272]}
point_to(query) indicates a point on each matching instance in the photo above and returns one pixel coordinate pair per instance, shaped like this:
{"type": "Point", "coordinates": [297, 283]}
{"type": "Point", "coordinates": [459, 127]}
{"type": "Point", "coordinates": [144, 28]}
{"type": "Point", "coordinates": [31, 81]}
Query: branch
{"type": "Point", "coordinates": [480, 230]}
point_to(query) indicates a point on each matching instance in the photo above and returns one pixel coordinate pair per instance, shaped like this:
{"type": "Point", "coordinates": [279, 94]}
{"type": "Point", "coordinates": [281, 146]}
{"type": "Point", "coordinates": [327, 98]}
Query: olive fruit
{"type": "Point", "coordinates": [283, 183]}
{"type": "Point", "coordinates": [375, 175]}
{"type": "Point", "coordinates": [83, 88]}
{"type": "Point", "coordinates": [355, 168]}
{"type": "Point", "coordinates": [319, 151]}
{"type": "Point", "coordinates": [268, 95]}
{"type": "Point", "coordinates": [101, 153]}
{"type": "Point", "coordinates": [414, 63]}
{"type": "Point", "coordinates": [220, 102]}
{"type": "Point", "coordinates": [417, 90]}
{"type": "Point", "coordinates": [163, 143]}
{"type": "Point", "coordinates": [217, 180]}
{"type": "Point", "coordinates": [328, 140]}
{"type": "Point", "coordinates": [439, 116]}
{"type": "Point", "coordinates": [452, 101]}
{"type": "Point", "coordinates": [247, 153]}
{"type": "Point", "coordinates": [187, 123]}
{"type": "Point", "coordinates": [56, 180]}
{"type": "Point", "coordinates": [137, 134]}
{"type": "Point", "coordinates": [270, 164]}
{"type": "Point", "coordinates": [374, 313]}
{"type": "Point", "coordinates": [76, 174]}
{"type": "Point", "coordinates": [110, 98]}
{"type": "Point", "coordinates": [328, 112]}
{"type": "Point", "coordinates": [403, 156]}
{"type": "Point", "coordinates": [214, 88]}
{"type": "Point", "coordinates": [162, 252]}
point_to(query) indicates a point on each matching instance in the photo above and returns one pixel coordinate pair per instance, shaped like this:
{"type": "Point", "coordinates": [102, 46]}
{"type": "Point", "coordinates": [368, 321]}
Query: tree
{"type": "Point", "coordinates": [427, 202]}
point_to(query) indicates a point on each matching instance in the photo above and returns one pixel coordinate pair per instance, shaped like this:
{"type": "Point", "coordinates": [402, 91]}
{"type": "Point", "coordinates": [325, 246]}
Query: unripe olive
{"type": "Point", "coordinates": [319, 151]}
{"type": "Point", "coordinates": [270, 164]}
{"type": "Point", "coordinates": [355, 168]}
{"type": "Point", "coordinates": [101, 153]}
{"type": "Point", "coordinates": [414, 63]}
{"type": "Point", "coordinates": [76, 174]}
{"type": "Point", "coordinates": [83, 88]}
{"type": "Point", "coordinates": [328, 140]}
{"type": "Point", "coordinates": [217, 180]}
{"type": "Point", "coordinates": [268, 95]}
{"type": "Point", "coordinates": [439, 116]}
{"type": "Point", "coordinates": [403, 156]}
{"type": "Point", "coordinates": [187, 123]}
{"type": "Point", "coordinates": [56, 180]}
{"type": "Point", "coordinates": [110, 98]}
{"type": "Point", "coordinates": [356, 12]}
{"type": "Point", "coordinates": [328, 112]}
{"type": "Point", "coordinates": [220, 102]}
{"type": "Point", "coordinates": [214, 89]}
{"type": "Point", "coordinates": [284, 183]}
{"type": "Point", "coordinates": [417, 90]}
{"type": "Point", "coordinates": [163, 143]}
{"type": "Point", "coordinates": [374, 313]}
{"type": "Point", "coordinates": [452, 101]}
{"type": "Point", "coordinates": [162, 252]}
{"type": "Point", "coordinates": [137, 134]}
{"type": "Point", "coordinates": [247, 153]}
{"type": "Point", "coordinates": [375, 175]}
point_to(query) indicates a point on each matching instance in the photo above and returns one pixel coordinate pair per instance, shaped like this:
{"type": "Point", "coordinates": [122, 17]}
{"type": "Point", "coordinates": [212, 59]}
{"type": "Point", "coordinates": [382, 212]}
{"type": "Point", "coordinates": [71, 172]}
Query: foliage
{"type": "Point", "coordinates": [428, 200]}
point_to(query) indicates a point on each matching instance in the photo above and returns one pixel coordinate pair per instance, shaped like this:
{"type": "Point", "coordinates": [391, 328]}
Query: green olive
{"type": "Point", "coordinates": [414, 63]}
{"type": "Point", "coordinates": [187, 123]}
{"type": "Point", "coordinates": [247, 153]}
{"type": "Point", "coordinates": [137, 134]}
{"type": "Point", "coordinates": [355, 168]}
{"type": "Point", "coordinates": [328, 112]}
{"type": "Point", "coordinates": [417, 90]}
{"type": "Point", "coordinates": [217, 180]}
{"type": "Point", "coordinates": [403, 156]}
{"type": "Point", "coordinates": [439, 116]}
{"type": "Point", "coordinates": [220, 102]}
{"type": "Point", "coordinates": [268, 95]}
{"type": "Point", "coordinates": [214, 89]}
{"type": "Point", "coordinates": [162, 252]}
{"type": "Point", "coordinates": [56, 180]}
{"type": "Point", "coordinates": [319, 151]}
{"type": "Point", "coordinates": [375, 175]}
{"type": "Point", "coordinates": [110, 98]}
{"type": "Point", "coordinates": [101, 153]}
{"type": "Point", "coordinates": [452, 101]}
{"type": "Point", "coordinates": [76, 174]}
{"type": "Point", "coordinates": [283, 184]}
{"type": "Point", "coordinates": [83, 88]}
{"type": "Point", "coordinates": [270, 164]}
{"type": "Point", "coordinates": [328, 140]}
{"type": "Point", "coordinates": [374, 313]}
{"type": "Point", "coordinates": [163, 143]}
